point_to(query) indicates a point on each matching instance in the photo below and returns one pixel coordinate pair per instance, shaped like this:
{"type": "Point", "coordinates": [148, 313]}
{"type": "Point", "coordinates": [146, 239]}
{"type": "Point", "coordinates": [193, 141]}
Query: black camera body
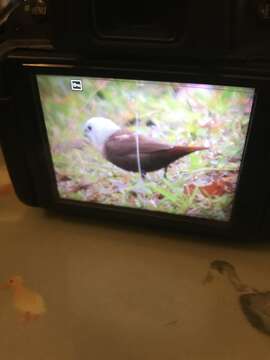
{"type": "Point", "coordinates": [178, 29]}
{"type": "Point", "coordinates": [192, 68]}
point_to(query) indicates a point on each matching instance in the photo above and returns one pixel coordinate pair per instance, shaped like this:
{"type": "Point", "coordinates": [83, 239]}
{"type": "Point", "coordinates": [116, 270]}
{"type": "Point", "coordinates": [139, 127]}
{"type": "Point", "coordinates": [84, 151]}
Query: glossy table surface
{"type": "Point", "coordinates": [112, 292]}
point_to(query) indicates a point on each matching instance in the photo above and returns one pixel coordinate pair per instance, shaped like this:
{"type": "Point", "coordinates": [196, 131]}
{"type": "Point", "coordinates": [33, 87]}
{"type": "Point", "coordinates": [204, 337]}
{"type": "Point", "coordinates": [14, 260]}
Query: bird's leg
{"type": "Point", "coordinates": [143, 174]}
{"type": "Point", "coordinates": [165, 172]}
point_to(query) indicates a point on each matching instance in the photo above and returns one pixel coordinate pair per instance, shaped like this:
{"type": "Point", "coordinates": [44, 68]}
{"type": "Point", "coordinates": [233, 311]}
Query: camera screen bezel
{"type": "Point", "coordinates": [247, 210]}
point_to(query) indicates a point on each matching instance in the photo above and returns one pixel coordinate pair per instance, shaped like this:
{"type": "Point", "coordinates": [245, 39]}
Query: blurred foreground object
{"type": "Point", "coordinates": [27, 302]}
{"type": "Point", "coordinates": [255, 305]}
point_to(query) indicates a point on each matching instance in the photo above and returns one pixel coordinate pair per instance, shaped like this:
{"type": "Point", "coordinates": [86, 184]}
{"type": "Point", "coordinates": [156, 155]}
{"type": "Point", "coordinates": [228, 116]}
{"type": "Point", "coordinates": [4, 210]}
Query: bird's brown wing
{"type": "Point", "coordinates": [123, 143]}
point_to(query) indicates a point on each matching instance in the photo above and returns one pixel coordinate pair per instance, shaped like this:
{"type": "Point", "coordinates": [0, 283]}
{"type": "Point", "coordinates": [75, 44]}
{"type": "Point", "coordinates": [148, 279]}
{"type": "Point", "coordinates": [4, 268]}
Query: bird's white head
{"type": "Point", "coordinates": [98, 130]}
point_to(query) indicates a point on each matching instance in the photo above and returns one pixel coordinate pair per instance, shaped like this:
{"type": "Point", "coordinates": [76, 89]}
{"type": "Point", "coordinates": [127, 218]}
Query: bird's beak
{"type": "Point", "coordinates": [209, 277]}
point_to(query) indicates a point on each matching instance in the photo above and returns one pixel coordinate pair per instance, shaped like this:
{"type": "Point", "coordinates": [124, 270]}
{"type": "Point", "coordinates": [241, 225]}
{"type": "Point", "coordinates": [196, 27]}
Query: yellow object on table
{"type": "Point", "coordinates": [27, 302]}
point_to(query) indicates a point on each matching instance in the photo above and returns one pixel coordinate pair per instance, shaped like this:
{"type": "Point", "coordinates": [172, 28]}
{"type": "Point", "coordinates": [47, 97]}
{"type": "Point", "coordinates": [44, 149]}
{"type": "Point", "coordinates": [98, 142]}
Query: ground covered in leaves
{"type": "Point", "coordinates": [202, 184]}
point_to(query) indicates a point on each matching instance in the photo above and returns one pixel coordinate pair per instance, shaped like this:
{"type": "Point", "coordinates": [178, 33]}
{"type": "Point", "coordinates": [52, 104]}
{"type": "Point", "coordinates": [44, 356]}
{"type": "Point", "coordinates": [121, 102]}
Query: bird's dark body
{"type": "Point", "coordinates": [121, 149]}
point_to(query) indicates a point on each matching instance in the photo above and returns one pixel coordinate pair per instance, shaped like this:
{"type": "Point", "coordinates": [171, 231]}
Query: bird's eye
{"type": "Point", "coordinates": [89, 127]}
{"type": "Point", "coordinates": [10, 281]}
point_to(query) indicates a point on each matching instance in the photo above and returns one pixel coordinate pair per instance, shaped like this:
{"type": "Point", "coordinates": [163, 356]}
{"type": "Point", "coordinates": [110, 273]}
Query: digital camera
{"type": "Point", "coordinates": [145, 114]}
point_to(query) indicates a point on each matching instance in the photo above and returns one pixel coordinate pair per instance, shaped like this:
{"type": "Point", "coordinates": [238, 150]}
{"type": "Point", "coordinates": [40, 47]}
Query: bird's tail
{"type": "Point", "coordinates": [185, 150]}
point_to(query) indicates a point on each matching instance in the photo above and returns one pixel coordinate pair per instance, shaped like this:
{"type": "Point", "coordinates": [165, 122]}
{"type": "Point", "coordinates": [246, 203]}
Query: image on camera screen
{"type": "Point", "coordinates": [174, 148]}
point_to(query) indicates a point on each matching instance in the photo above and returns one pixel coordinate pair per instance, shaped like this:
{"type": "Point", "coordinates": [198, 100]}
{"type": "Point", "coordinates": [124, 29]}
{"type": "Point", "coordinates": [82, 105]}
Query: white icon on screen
{"type": "Point", "coordinates": [76, 85]}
